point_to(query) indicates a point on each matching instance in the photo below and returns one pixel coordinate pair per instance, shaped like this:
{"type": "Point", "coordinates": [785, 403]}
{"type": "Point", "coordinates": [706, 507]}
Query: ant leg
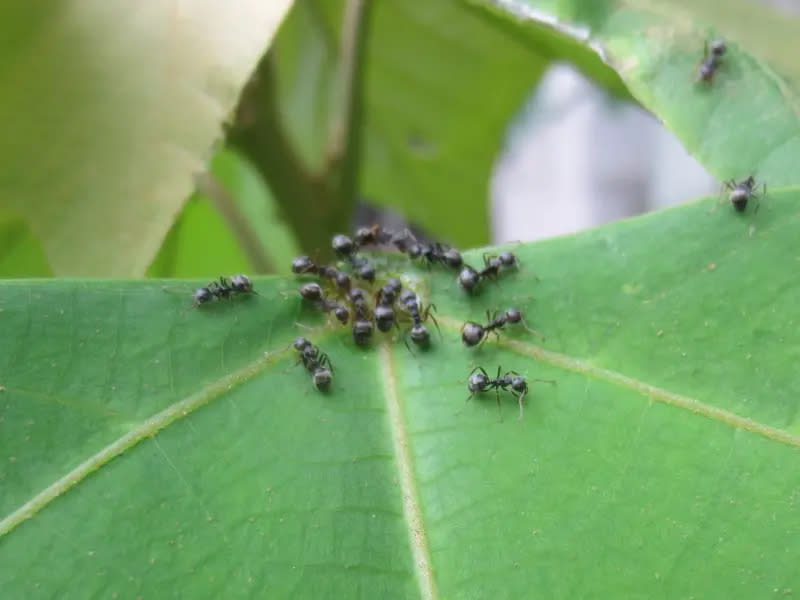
{"type": "Point", "coordinates": [435, 322]}
{"type": "Point", "coordinates": [532, 331]}
{"type": "Point", "coordinates": [188, 308]}
{"type": "Point", "coordinates": [484, 337]}
{"type": "Point", "coordinates": [521, 397]}
{"type": "Point", "coordinates": [405, 341]}
{"type": "Point", "coordinates": [499, 406]}
{"type": "Point", "coordinates": [760, 196]}
{"type": "Point", "coordinates": [324, 360]}
{"type": "Point", "coordinates": [479, 368]}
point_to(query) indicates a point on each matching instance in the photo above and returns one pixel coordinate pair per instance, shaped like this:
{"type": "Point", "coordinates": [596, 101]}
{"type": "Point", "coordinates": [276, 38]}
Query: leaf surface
{"type": "Point", "coordinates": [147, 450]}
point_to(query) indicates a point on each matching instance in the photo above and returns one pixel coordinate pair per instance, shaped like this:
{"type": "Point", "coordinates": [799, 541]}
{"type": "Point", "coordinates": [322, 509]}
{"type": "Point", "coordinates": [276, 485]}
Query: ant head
{"type": "Point", "coordinates": [518, 384]}
{"type": "Point", "coordinates": [367, 272]}
{"type": "Point", "coordinates": [342, 314]}
{"type": "Point", "coordinates": [301, 344]}
{"type": "Point", "coordinates": [362, 332]}
{"type": "Point", "coordinates": [241, 283]}
{"type": "Point", "coordinates": [393, 285]}
{"type": "Point", "coordinates": [367, 235]}
{"type": "Point", "coordinates": [508, 259]}
{"type": "Point", "coordinates": [302, 264]}
{"type": "Point", "coordinates": [311, 291]}
{"type": "Point", "coordinates": [478, 382]}
{"type": "Point", "coordinates": [343, 245]}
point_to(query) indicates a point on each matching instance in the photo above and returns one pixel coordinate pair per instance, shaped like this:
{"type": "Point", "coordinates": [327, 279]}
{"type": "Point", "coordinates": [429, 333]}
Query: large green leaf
{"type": "Point", "coordinates": [111, 108]}
{"type": "Point", "coordinates": [153, 451]}
{"type": "Point", "coordinates": [745, 122]}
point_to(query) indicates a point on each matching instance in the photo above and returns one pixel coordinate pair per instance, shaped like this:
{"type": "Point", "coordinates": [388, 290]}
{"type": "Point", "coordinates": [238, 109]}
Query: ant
{"type": "Point", "coordinates": [304, 264]}
{"type": "Point", "coordinates": [494, 264]}
{"type": "Point", "coordinates": [313, 293]}
{"type": "Point", "coordinates": [222, 288]}
{"type": "Point", "coordinates": [474, 334]}
{"type": "Point", "coordinates": [511, 381]}
{"type": "Point", "coordinates": [711, 60]}
{"type": "Point", "coordinates": [436, 253]}
{"type": "Point", "coordinates": [403, 240]}
{"type": "Point", "coordinates": [346, 248]}
{"type": "Point", "coordinates": [384, 300]}
{"type": "Point", "coordinates": [372, 236]}
{"type": "Point", "coordinates": [316, 362]}
{"type": "Point", "coordinates": [743, 191]}
{"type": "Point", "coordinates": [362, 319]}
{"type": "Point", "coordinates": [419, 334]}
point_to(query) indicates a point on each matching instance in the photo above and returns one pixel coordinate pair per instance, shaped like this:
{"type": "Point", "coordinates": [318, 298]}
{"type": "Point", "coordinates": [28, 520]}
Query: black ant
{"type": "Point", "coordinates": [343, 245]}
{"type": "Point", "coordinates": [313, 293]}
{"type": "Point", "coordinates": [304, 264]}
{"type": "Point", "coordinates": [474, 334]}
{"type": "Point", "coordinates": [743, 191]}
{"type": "Point", "coordinates": [362, 318]}
{"type": "Point", "coordinates": [511, 381]}
{"type": "Point", "coordinates": [712, 59]}
{"type": "Point", "coordinates": [494, 264]}
{"type": "Point", "coordinates": [222, 288]}
{"type": "Point", "coordinates": [384, 300]}
{"type": "Point", "coordinates": [316, 362]}
{"type": "Point", "coordinates": [419, 334]}
{"type": "Point", "coordinates": [346, 248]}
{"type": "Point", "coordinates": [372, 236]}
{"type": "Point", "coordinates": [436, 253]}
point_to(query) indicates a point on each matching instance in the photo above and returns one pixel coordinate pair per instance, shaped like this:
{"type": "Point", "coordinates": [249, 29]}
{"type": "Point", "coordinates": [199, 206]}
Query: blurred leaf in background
{"type": "Point", "coordinates": [109, 109]}
{"type": "Point", "coordinates": [230, 225]}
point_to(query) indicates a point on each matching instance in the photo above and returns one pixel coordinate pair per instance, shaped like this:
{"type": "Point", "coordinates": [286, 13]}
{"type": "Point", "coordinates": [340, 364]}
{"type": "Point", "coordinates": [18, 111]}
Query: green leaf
{"type": "Point", "coordinates": [231, 226]}
{"type": "Point", "coordinates": [115, 107]}
{"type": "Point", "coordinates": [149, 450]}
{"type": "Point", "coordinates": [21, 253]}
{"type": "Point", "coordinates": [745, 121]}
{"type": "Point", "coordinates": [271, 244]}
{"type": "Point", "coordinates": [200, 244]}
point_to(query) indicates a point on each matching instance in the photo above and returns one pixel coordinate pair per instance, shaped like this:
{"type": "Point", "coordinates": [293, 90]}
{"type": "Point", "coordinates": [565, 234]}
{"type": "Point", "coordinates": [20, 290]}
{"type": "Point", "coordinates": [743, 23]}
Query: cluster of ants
{"type": "Point", "coordinates": [385, 306]}
{"type": "Point", "coordinates": [740, 192]}
{"type": "Point", "coordinates": [337, 293]}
